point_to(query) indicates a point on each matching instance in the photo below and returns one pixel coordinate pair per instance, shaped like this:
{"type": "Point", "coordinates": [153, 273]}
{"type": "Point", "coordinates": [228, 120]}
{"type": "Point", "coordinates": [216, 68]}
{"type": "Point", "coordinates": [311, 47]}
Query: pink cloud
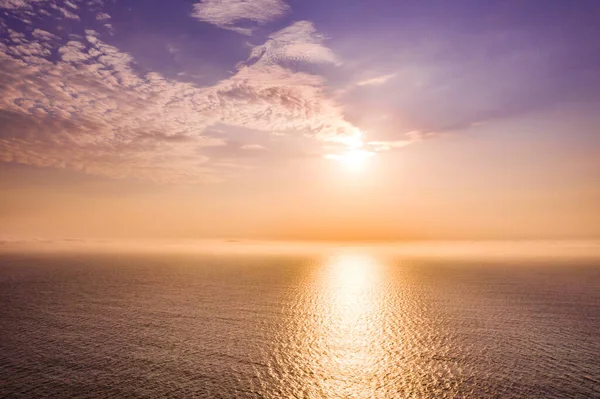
{"type": "Point", "coordinates": [226, 13]}
{"type": "Point", "coordinates": [91, 111]}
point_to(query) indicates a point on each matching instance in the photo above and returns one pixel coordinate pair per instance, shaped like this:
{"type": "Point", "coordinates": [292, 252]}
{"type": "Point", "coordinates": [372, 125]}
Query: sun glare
{"type": "Point", "coordinates": [354, 159]}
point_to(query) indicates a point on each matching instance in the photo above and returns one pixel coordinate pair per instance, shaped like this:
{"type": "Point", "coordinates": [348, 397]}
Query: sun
{"type": "Point", "coordinates": [354, 159]}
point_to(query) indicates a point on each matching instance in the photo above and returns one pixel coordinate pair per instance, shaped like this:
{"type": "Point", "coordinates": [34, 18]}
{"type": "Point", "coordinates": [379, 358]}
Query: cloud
{"type": "Point", "coordinates": [379, 80]}
{"type": "Point", "coordinates": [32, 11]}
{"type": "Point", "coordinates": [273, 98]}
{"type": "Point", "coordinates": [226, 13]}
{"type": "Point", "coordinates": [252, 147]}
{"type": "Point", "coordinates": [91, 112]}
{"type": "Point", "coordinates": [17, 4]}
{"type": "Point", "coordinates": [358, 149]}
{"type": "Point", "coordinates": [380, 146]}
{"type": "Point", "coordinates": [87, 107]}
{"type": "Point", "coordinates": [66, 13]}
{"type": "Point", "coordinates": [44, 36]}
{"type": "Point", "coordinates": [409, 138]}
{"type": "Point", "coordinates": [299, 42]}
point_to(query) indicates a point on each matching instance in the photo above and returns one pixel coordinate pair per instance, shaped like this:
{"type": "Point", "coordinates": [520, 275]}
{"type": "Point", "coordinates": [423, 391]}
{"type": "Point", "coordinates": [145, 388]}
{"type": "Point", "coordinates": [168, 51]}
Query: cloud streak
{"type": "Point", "coordinates": [379, 80]}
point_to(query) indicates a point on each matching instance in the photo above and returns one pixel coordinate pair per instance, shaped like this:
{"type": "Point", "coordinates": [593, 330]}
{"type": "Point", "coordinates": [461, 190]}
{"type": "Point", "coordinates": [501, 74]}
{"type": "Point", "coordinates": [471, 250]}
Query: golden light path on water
{"type": "Point", "coordinates": [351, 287]}
{"type": "Point", "coordinates": [340, 338]}
{"type": "Point", "coordinates": [364, 326]}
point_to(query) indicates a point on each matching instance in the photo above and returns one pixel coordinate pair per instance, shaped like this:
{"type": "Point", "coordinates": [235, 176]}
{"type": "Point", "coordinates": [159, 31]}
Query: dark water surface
{"type": "Point", "coordinates": [347, 325]}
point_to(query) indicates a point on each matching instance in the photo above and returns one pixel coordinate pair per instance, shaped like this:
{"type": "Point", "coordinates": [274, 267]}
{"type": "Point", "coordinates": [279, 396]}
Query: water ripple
{"type": "Point", "coordinates": [351, 325]}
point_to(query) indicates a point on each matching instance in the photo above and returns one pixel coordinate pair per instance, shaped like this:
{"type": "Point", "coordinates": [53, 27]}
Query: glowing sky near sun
{"type": "Point", "coordinates": [337, 120]}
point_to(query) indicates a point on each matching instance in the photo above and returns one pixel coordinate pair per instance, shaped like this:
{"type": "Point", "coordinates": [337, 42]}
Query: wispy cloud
{"type": "Point", "coordinates": [227, 14]}
{"type": "Point", "coordinates": [406, 140]}
{"type": "Point", "coordinates": [299, 42]}
{"type": "Point", "coordinates": [389, 145]}
{"type": "Point", "coordinates": [252, 147]}
{"type": "Point", "coordinates": [376, 81]}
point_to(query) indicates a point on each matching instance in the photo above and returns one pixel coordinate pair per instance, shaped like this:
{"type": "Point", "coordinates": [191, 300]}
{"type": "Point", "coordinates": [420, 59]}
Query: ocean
{"type": "Point", "coordinates": [346, 323]}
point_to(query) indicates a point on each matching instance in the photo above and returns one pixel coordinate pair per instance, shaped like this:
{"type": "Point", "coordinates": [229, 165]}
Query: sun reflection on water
{"type": "Point", "coordinates": [345, 335]}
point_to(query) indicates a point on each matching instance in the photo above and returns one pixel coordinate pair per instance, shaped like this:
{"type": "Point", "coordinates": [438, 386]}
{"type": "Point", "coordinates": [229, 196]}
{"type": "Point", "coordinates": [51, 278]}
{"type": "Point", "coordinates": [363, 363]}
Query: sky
{"type": "Point", "coordinates": [299, 120]}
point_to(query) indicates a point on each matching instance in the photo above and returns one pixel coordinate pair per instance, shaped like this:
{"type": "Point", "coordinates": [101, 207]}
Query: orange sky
{"type": "Point", "coordinates": [473, 187]}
